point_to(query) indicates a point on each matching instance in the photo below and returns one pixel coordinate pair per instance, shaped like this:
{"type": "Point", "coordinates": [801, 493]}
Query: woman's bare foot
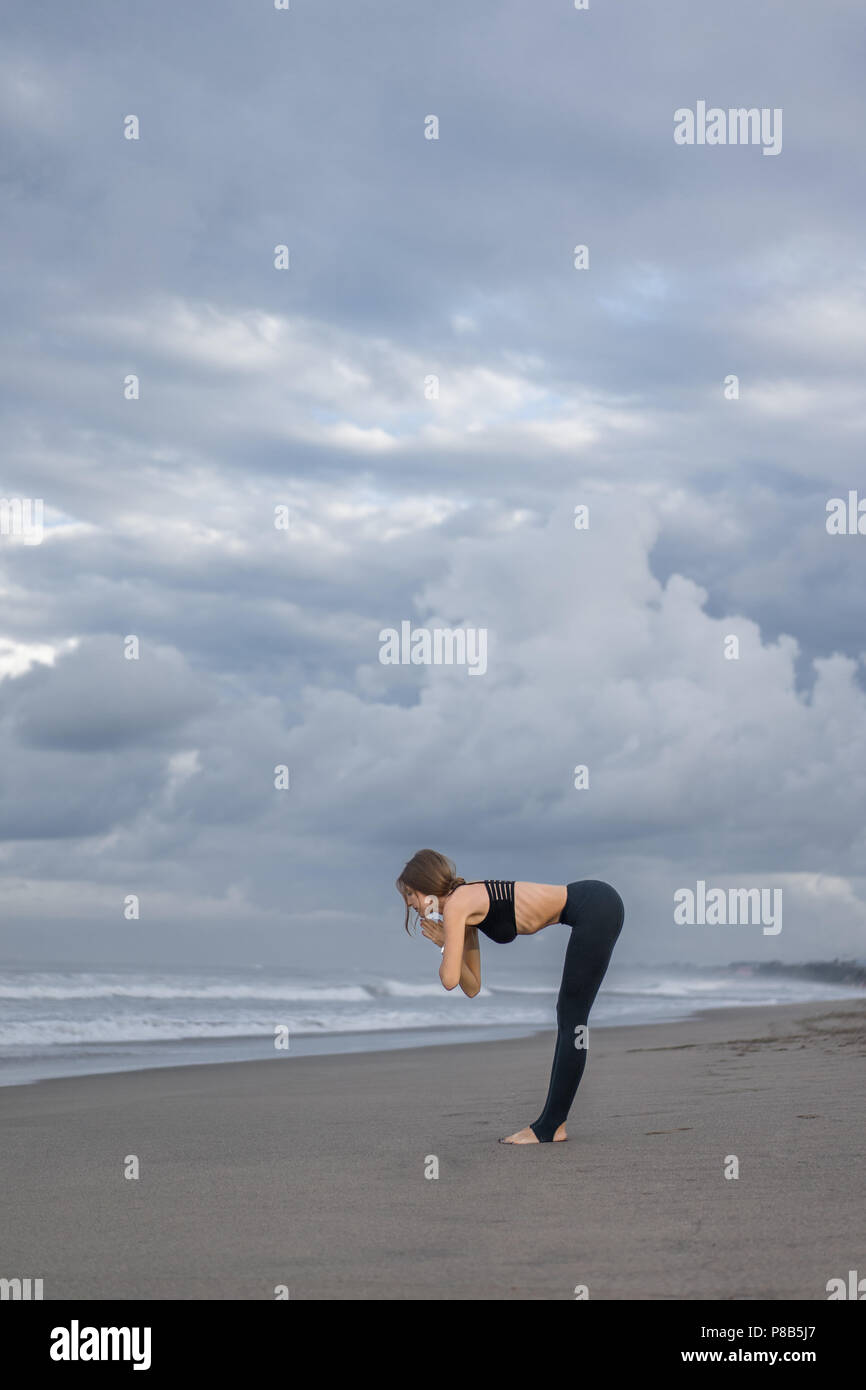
{"type": "Point", "coordinates": [527, 1136]}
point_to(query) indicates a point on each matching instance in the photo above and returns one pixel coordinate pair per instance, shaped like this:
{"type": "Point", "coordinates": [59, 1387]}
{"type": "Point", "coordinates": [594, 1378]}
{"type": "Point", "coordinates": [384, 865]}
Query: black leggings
{"type": "Point", "coordinates": [595, 913]}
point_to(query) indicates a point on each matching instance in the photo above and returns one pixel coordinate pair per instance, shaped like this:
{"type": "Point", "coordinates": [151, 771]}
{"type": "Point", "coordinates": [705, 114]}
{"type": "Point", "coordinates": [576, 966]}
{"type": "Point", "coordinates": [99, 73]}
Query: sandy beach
{"type": "Point", "coordinates": [310, 1172]}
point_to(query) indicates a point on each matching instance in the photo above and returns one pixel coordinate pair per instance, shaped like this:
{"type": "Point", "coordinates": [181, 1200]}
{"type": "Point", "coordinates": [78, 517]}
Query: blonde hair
{"type": "Point", "coordinates": [428, 872]}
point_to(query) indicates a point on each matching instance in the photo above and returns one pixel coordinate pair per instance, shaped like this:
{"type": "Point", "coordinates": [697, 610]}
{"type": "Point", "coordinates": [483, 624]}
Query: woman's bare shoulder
{"type": "Point", "coordinates": [470, 900]}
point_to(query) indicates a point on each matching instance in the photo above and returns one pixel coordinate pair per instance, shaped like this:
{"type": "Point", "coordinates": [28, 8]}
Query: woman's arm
{"type": "Point", "coordinates": [470, 975]}
{"type": "Point", "coordinates": [461, 958]}
{"type": "Point", "coordinates": [455, 969]}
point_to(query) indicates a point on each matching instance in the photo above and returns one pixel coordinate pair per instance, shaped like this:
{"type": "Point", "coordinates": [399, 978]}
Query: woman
{"type": "Point", "coordinates": [452, 913]}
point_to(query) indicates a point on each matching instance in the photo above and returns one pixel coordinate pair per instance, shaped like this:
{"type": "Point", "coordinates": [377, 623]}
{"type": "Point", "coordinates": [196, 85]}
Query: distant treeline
{"type": "Point", "coordinates": [839, 972]}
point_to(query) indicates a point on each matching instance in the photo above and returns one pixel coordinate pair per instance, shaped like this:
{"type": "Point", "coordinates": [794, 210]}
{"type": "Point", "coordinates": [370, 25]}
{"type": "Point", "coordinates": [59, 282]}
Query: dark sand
{"type": "Point", "coordinates": [309, 1172]}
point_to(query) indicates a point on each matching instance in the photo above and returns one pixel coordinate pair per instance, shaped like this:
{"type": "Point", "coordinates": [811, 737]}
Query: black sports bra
{"type": "Point", "coordinates": [499, 924]}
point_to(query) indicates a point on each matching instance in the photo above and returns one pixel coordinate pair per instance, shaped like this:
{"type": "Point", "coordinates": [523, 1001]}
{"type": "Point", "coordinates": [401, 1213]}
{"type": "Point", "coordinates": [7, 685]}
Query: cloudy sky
{"type": "Point", "coordinates": [412, 258]}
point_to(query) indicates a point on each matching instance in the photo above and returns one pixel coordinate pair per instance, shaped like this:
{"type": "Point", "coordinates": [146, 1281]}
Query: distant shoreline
{"type": "Point", "coordinates": [242, 1048]}
{"type": "Point", "coordinates": [118, 1019]}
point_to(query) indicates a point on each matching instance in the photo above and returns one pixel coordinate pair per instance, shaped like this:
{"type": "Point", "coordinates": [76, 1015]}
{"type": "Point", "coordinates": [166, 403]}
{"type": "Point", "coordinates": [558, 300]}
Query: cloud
{"type": "Point", "coordinates": [93, 699]}
{"type": "Point", "coordinates": [413, 259]}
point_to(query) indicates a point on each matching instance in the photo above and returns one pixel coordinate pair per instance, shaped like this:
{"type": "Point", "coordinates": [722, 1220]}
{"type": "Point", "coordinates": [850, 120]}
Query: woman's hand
{"type": "Point", "coordinates": [434, 931]}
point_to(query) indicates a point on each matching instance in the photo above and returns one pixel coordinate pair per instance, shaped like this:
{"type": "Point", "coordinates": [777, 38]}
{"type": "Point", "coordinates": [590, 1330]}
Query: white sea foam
{"type": "Point", "coordinates": [51, 1032]}
{"type": "Point", "coordinates": [116, 988]}
{"type": "Point", "coordinates": [95, 1019]}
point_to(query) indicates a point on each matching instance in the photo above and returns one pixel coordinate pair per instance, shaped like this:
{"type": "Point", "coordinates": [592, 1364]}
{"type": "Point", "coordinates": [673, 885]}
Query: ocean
{"type": "Point", "coordinates": [63, 1022]}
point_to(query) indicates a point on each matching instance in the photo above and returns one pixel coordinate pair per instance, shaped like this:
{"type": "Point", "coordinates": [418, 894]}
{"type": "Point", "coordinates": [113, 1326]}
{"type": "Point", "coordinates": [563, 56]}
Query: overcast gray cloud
{"type": "Point", "coordinates": [410, 259]}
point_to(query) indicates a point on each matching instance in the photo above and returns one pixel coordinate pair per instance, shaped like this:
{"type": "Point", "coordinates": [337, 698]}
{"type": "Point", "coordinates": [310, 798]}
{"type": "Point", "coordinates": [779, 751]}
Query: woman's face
{"type": "Point", "coordinates": [421, 902]}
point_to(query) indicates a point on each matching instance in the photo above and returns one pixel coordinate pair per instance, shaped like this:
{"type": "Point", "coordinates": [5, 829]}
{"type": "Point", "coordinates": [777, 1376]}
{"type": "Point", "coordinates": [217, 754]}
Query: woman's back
{"type": "Point", "coordinates": [529, 906]}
